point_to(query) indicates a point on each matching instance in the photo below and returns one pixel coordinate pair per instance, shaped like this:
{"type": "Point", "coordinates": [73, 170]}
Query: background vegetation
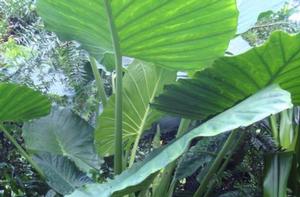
{"type": "Point", "coordinates": [33, 56]}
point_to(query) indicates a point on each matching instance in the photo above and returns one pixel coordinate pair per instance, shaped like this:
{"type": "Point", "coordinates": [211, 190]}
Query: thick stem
{"type": "Point", "coordinates": [274, 127]}
{"type": "Point", "coordinates": [216, 164]}
{"type": "Point", "coordinates": [21, 150]}
{"type": "Point", "coordinates": [119, 75]}
{"type": "Point", "coordinates": [101, 95]}
{"type": "Point", "coordinates": [183, 127]}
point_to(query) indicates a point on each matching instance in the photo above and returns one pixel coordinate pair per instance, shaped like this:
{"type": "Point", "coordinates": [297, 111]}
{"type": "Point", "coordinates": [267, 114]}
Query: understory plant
{"type": "Point", "coordinates": [220, 97]}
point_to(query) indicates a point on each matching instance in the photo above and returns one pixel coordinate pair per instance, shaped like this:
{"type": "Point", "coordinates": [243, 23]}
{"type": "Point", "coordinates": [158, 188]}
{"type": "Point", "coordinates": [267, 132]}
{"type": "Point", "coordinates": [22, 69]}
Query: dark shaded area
{"type": "Point", "coordinates": [16, 175]}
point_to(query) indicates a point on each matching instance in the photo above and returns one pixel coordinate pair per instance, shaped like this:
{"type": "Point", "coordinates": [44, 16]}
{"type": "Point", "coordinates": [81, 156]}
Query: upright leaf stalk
{"type": "Point", "coordinates": [164, 187]}
{"type": "Point", "coordinates": [22, 151]}
{"type": "Point", "coordinates": [216, 164]}
{"type": "Point", "coordinates": [119, 75]}
{"type": "Point", "coordinates": [101, 95]}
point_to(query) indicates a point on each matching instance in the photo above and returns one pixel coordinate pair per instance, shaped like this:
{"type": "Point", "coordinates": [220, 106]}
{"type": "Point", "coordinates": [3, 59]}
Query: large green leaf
{"type": "Point", "coordinates": [174, 33]}
{"type": "Point", "coordinates": [61, 173]}
{"type": "Point", "coordinates": [142, 82]}
{"type": "Point", "coordinates": [250, 11]}
{"type": "Point", "coordinates": [268, 101]}
{"type": "Point", "coordinates": [63, 133]}
{"type": "Point", "coordinates": [20, 103]}
{"type": "Point", "coordinates": [232, 79]}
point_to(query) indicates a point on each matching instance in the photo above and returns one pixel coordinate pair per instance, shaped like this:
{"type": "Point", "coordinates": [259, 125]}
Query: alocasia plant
{"type": "Point", "coordinates": [266, 102]}
{"type": "Point", "coordinates": [178, 35]}
{"type": "Point", "coordinates": [175, 34]}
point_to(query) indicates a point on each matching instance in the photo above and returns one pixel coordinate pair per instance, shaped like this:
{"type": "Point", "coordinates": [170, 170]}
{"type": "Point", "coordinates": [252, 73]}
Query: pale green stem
{"type": "Point", "coordinates": [286, 131]}
{"type": "Point", "coordinates": [163, 187]}
{"type": "Point", "coordinates": [21, 150]}
{"type": "Point", "coordinates": [274, 127]}
{"type": "Point", "coordinates": [137, 140]}
{"type": "Point", "coordinates": [113, 83]}
{"type": "Point", "coordinates": [222, 168]}
{"type": "Point", "coordinates": [118, 157]}
{"type": "Point", "coordinates": [156, 139]}
{"type": "Point", "coordinates": [99, 82]}
{"type": "Point", "coordinates": [183, 127]}
{"type": "Point", "coordinates": [172, 187]}
{"type": "Point", "coordinates": [216, 164]}
{"type": "Point", "coordinates": [134, 150]}
{"type": "Point", "coordinates": [125, 159]}
{"type": "Point", "coordinates": [143, 193]}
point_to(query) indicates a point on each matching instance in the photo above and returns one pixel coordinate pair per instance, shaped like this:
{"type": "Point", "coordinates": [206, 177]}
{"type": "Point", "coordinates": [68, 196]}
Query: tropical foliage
{"type": "Point", "coordinates": [89, 83]}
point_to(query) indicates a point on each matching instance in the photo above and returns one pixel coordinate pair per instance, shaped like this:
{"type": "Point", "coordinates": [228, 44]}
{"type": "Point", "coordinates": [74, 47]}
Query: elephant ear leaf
{"type": "Point", "coordinates": [61, 173]}
{"type": "Point", "coordinates": [255, 108]}
{"type": "Point", "coordinates": [232, 79]}
{"type": "Point", "coordinates": [177, 34]}
{"type": "Point", "coordinates": [63, 133]}
{"type": "Point", "coordinates": [20, 103]}
{"type": "Point", "coordinates": [142, 83]}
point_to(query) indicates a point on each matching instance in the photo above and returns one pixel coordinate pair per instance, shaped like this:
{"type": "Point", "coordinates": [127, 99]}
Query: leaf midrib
{"type": "Point", "coordinates": [59, 174]}
{"type": "Point", "coordinates": [66, 154]}
{"type": "Point", "coordinates": [147, 111]}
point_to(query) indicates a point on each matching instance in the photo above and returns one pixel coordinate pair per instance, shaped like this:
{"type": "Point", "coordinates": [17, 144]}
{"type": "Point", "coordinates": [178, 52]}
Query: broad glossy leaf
{"type": "Point", "coordinates": [142, 82]}
{"type": "Point", "coordinates": [173, 33]}
{"type": "Point", "coordinates": [20, 103]}
{"type": "Point", "coordinates": [63, 133]}
{"type": "Point", "coordinates": [268, 101]}
{"type": "Point", "coordinates": [251, 9]}
{"type": "Point", "coordinates": [61, 173]}
{"type": "Point", "coordinates": [232, 79]}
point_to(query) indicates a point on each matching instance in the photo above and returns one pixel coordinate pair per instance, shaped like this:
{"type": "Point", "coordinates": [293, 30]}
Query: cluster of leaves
{"type": "Point", "coordinates": [30, 55]}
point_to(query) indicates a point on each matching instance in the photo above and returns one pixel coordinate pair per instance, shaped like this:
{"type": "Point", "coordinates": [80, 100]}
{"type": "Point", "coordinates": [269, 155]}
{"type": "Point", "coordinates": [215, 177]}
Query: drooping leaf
{"type": "Point", "coordinates": [250, 11]}
{"type": "Point", "coordinates": [174, 33]}
{"type": "Point", "coordinates": [20, 103]}
{"type": "Point", "coordinates": [63, 133]}
{"type": "Point", "coordinates": [232, 79]}
{"type": "Point", "coordinates": [268, 101]}
{"type": "Point", "coordinates": [61, 173]}
{"type": "Point", "coordinates": [142, 82]}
